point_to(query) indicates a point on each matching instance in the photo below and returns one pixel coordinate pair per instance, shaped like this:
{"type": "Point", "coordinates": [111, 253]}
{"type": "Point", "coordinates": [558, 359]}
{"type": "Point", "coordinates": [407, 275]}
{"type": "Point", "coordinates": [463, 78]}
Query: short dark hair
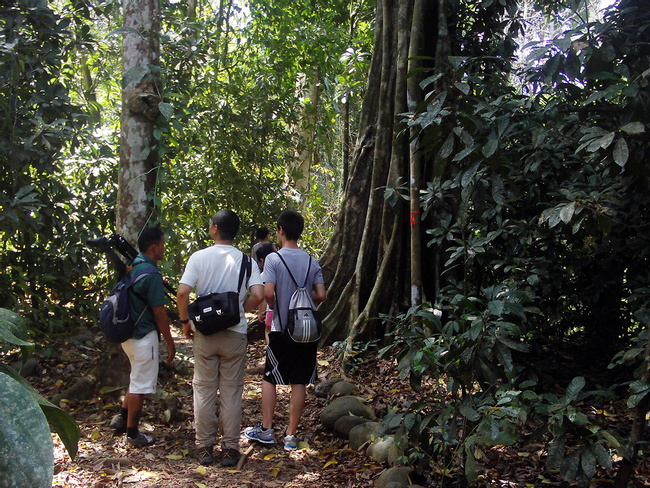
{"type": "Point", "coordinates": [148, 237]}
{"type": "Point", "coordinates": [292, 223]}
{"type": "Point", "coordinates": [228, 223]}
{"type": "Point", "coordinates": [263, 251]}
{"type": "Point", "coordinates": [261, 233]}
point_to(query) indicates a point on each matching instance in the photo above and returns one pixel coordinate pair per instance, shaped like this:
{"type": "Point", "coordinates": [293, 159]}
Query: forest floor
{"type": "Point", "coordinates": [324, 461]}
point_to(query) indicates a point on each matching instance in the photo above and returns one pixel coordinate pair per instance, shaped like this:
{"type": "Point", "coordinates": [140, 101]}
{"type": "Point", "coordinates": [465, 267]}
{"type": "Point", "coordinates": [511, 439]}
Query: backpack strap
{"type": "Point", "coordinates": [134, 278]}
{"type": "Point", "coordinates": [244, 270]}
{"type": "Point", "coordinates": [291, 274]}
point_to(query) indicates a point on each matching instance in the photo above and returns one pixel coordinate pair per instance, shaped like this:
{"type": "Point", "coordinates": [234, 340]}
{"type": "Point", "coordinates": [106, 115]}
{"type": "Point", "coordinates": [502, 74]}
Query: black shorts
{"type": "Point", "coordinates": [289, 363]}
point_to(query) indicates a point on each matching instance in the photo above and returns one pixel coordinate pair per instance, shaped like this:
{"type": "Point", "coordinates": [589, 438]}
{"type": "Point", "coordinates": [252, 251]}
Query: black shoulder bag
{"type": "Point", "coordinates": [213, 312]}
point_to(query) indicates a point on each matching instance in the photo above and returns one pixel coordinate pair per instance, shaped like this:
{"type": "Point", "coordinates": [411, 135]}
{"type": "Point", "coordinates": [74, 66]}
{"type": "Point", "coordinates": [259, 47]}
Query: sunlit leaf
{"type": "Point", "coordinates": [566, 214]}
{"type": "Point", "coordinates": [327, 452]}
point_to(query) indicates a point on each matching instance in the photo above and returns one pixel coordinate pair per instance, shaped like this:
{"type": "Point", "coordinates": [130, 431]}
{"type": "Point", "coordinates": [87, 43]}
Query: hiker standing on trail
{"type": "Point", "coordinates": [287, 363]}
{"type": "Point", "coordinates": [263, 236]}
{"type": "Point", "coordinates": [147, 299]}
{"type": "Point", "coordinates": [265, 313]}
{"type": "Point", "coordinates": [219, 358]}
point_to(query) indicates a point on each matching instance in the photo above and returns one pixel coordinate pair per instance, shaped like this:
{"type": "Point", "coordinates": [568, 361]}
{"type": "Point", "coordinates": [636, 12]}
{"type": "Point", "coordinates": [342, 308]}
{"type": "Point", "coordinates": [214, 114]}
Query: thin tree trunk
{"type": "Point", "coordinates": [415, 166]}
{"type": "Point", "coordinates": [307, 87]}
{"type": "Point", "coordinates": [224, 31]}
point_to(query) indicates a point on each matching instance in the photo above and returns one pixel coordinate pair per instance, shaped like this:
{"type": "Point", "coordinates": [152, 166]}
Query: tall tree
{"type": "Point", "coordinates": [140, 109]}
{"type": "Point", "coordinates": [368, 261]}
{"type": "Point", "coordinates": [38, 125]}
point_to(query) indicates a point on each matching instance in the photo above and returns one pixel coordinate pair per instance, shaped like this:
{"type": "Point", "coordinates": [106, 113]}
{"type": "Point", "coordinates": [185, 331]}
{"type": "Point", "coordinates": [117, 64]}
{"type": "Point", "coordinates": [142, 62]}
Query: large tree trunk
{"type": "Point", "coordinates": [140, 99]}
{"type": "Point", "coordinates": [363, 263]}
{"type": "Point", "coordinates": [373, 263]}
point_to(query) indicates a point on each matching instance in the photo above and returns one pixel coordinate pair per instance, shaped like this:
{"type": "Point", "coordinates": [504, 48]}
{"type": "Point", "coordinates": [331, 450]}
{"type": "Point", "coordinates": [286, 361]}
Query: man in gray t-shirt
{"type": "Point", "coordinates": [287, 363]}
{"type": "Point", "coordinates": [275, 272]}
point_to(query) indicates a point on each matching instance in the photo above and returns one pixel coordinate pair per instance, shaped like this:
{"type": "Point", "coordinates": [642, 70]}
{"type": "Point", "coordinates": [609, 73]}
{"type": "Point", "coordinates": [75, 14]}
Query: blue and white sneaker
{"type": "Point", "coordinates": [290, 443]}
{"type": "Point", "coordinates": [260, 434]}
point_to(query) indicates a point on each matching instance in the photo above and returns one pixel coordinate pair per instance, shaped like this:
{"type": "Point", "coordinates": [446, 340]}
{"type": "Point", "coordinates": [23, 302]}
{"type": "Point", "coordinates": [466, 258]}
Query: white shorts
{"type": "Point", "coordinates": [143, 356]}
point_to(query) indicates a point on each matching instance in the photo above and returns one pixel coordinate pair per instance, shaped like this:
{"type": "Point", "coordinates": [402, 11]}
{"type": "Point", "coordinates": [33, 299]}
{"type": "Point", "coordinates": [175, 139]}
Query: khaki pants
{"type": "Point", "coordinates": [219, 363]}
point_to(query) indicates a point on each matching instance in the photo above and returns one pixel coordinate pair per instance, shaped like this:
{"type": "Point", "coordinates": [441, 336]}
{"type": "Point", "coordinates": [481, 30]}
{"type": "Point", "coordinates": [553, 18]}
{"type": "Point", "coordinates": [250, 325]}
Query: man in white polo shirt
{"type": "Point", "coordinates": [219, 358]}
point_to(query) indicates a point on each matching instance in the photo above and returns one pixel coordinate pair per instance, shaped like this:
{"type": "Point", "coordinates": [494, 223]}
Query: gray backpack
{"type": "Point", "coordinates": [303, 324]}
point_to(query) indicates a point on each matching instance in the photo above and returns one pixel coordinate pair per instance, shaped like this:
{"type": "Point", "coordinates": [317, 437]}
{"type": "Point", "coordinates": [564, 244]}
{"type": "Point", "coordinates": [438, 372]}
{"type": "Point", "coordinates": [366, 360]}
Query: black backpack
{"type": "Point", "coordinates": [115, 317]}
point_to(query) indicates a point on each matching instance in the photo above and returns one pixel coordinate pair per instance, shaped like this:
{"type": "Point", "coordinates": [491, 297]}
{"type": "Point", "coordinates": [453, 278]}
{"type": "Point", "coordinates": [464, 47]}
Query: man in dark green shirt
{"type": "Point", "coordinates": [147, 302]}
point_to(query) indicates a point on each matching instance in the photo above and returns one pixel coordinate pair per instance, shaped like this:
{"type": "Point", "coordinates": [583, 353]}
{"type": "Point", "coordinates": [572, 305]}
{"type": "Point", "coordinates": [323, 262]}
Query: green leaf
{"type": "Point", "coordinates": [13, 329]}
{"type": "Point", "coordinates": [134, 76]}
{"type": "Point", "coordinates": [576, 385]}
{"type": "Point", "coordinates": [588, 463]}
{"type": "Point", "coordinates": [566, 214]}
{"type": "Point", "coordinates": [601, 142]}
{"type": "Point", "coordinates": [512, 344]}
{"type": "Point", "coordinates": [504, 438]}
{"type": "Point", "coordinates": [166, 110]}
{"type": "Point", "coordinates": [469, 413]}
{"type": "Point", "coordinates": [463, 87]}
{"type": "Point", "coordinates": [471, 467]}
{"type": "Point", "coordinates": [490, 147]}
{"type": "Point", "coordinates": [555, 454]}
{"type": "Point", "coordinates": [62, 423]}
{"type": "Point", "coordinates": [639, 386]}
{"type": "Point", "coordinates": [613, 441]}
{"type": "Point", "coordinates": [621, 152]}
{"type": "Point", "coordinates": [506, 358]}
{"type": "Point", "coordinates": [447, 146]}
{"type": "Point", "coordinates": [468, 176]}
{"type": "Point", "coordinates": [576, 417]}
{"type": "Point", "coordinates": [456, 61]}
{"type": "Point", "coordinates": [495, 307]}
{"type": "Point", "coordinates": [635, 399]}
{"type": "Point", "coordinates": [26, 450]}
{"type": "Point", "coordinates": [464, 153]}
{"type": "Point", "coordinates": [633, 128]}
{"type": "Point", "coordinates": [570, 465]}
{"type": "Point", "coordinates": [595, 96]}
{"type": "Point", "coordinates": [602, 455]}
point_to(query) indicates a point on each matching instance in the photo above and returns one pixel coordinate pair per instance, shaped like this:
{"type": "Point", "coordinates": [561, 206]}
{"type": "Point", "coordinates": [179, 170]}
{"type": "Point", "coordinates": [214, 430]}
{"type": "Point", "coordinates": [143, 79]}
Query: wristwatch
{"type": "Point", "coordinates": [185, 321]}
